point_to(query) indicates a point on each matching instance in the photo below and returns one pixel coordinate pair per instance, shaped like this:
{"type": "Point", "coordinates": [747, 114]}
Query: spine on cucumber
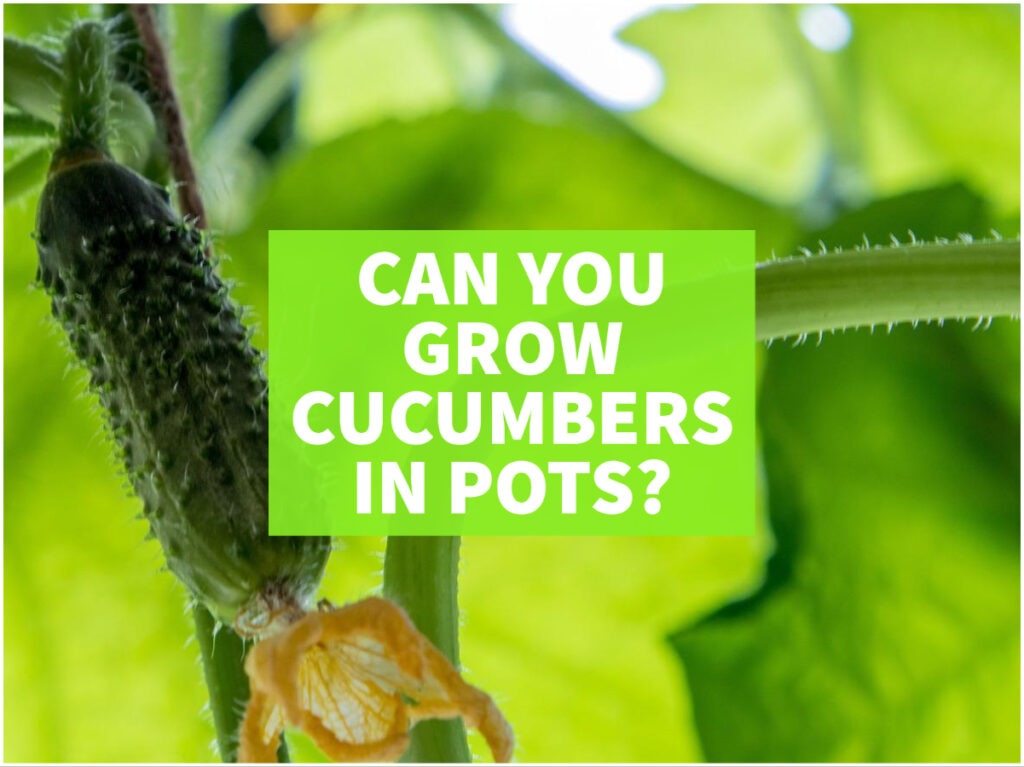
{"type": "Point", "coordinates": [169, 358]}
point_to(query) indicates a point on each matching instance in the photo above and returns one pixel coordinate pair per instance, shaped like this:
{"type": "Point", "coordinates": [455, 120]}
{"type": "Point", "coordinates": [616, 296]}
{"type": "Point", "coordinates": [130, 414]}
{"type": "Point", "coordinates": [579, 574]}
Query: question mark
{"type": "Point", "coordinates": [661, 475]}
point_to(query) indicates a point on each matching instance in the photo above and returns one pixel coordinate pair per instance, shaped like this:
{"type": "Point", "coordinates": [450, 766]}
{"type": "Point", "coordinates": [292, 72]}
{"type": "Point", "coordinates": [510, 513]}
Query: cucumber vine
{"type": "Point", "coordinates": [917, 282]}
{"type": "Point", "coordinates": [68, 99]}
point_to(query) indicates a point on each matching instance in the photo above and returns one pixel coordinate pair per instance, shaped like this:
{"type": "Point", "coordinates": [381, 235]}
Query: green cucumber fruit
{"type": "Point", "coordinates": [166, 351]}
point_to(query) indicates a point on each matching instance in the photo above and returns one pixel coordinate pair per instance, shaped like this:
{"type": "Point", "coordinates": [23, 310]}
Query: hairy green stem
{"type": "Point", "coordinates": [34, 80]}
{"type": "Point", "coordinates": [884, 286]}
{"type": "Point", "coordinates": [85, 102]}
{"type": "Point", "coordinates": [222, 652]}
{"type": "Point", "coordinates": [421, 574]}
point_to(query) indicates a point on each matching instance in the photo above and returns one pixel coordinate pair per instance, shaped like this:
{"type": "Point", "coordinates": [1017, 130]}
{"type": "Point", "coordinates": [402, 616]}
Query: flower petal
{"type": "Point", "coordinates": [355, 678]}
{"type": "Point", "coordinates": [261, 728]}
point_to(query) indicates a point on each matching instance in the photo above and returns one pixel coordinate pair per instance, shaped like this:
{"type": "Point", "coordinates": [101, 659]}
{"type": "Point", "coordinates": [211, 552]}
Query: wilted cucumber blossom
{"type": "Point", "coordinates": [355, 679]}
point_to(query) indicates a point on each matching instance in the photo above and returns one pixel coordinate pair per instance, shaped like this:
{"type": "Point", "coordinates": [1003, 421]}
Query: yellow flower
{"type": "Point", "coordinates": [355, 679]}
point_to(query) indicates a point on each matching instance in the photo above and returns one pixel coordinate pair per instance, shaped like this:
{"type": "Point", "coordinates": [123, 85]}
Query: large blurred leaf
{"type": "Point", "coordinates": [387, 61]}
{"type": "Point", "coordinates": [888, 627]}
{"type": "Point", "coordinates": [568, 633]}
{"type": "Point", "coordinates": [493, 170]}
{"type": "Point", "coordinates": [940, 96]}
{"type": "Point", "coordinates": [736, 102]}
{"type": "Point", "coordinates": [923, 94]}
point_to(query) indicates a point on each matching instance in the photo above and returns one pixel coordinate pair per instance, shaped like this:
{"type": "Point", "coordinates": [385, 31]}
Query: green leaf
{"type": "Point", "coordinates": [890, 605]}
{"type": "Point", "coordinates": [26, 174]}
{"type": "Point", "coordinates": [388, 61]}
{"type": "Point", "coordinates": [923, 94]}
{"type": "Point", "coordinates": [940, 96]}
{"type": "Point", "coordinates": [735, 102]}
{"type": "Point", "coordinates": [490, 170]}
{"type": "Point", "coordinates": [21, 125]}
{"type": "Point", "coordinates": [567, 634]}
{"type": "Point", "coordinates": [922, 214]}
{"type": "Point", "coordinates": [887, 627]}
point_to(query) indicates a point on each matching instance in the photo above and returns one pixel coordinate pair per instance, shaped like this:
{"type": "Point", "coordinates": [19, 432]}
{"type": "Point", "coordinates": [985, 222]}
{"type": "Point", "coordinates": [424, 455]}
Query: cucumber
{"type": "Point", "coordinates": [172, 364]}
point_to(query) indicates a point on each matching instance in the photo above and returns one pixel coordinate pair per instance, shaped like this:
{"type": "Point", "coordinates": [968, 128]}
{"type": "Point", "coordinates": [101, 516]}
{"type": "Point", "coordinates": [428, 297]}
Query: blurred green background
{"type": "Point", "coordinates": [877, 615]}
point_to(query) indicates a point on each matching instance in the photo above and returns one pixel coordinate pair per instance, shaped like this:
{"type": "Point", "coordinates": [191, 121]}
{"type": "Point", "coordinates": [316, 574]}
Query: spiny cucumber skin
{"type": "Point", "coordinates": [183, 388]}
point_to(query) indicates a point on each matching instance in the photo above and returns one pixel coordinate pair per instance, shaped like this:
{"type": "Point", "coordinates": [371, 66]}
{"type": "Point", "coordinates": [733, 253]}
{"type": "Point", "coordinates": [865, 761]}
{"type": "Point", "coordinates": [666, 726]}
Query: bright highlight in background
{"type": "Point", "coordinates": [580, 42]}
{"type": "Point", "coordinates": [826, 27]}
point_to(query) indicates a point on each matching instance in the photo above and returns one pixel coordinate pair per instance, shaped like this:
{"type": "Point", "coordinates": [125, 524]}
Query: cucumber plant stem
{"type": "Point", "coordinates": [421, 574]}
{"type": "Point", "coordinates": [222, 651]}
{"type": "Point", "coordinates": [159, 71]}
{"type": "Point", "coordinates": [885, 286]}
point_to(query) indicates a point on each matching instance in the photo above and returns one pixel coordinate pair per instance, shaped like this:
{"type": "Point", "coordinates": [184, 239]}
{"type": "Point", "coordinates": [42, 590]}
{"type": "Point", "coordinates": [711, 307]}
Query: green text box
{"type": "Point", "coordinates": [696, 339]}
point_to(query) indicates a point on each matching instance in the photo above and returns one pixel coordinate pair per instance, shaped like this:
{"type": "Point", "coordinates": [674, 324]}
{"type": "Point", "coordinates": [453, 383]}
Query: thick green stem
{"type": "Point", "coordinates": [34, 84]}
{"type": "Point", "coordinates": [222, 652]}
{"type": "Point", "coordinates": [885, 286]}
{"type": "Point", "coordinates": [421, 574]}
{"type": "Point", "coordinates": [85, 101]}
